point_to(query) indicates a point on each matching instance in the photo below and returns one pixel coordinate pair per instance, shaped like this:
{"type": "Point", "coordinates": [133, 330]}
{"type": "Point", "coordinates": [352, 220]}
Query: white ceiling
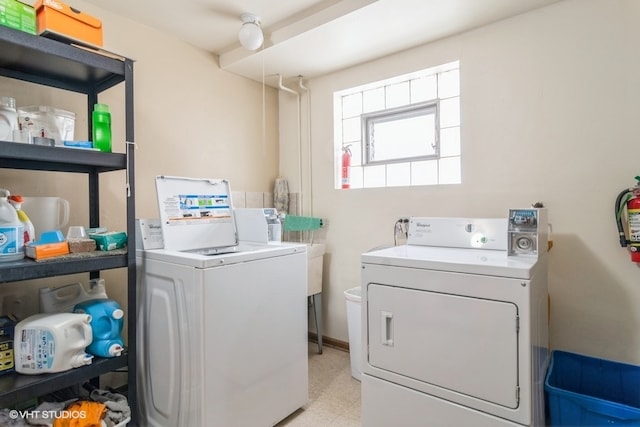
{"type": "Point", "coordinates": [313, 37]}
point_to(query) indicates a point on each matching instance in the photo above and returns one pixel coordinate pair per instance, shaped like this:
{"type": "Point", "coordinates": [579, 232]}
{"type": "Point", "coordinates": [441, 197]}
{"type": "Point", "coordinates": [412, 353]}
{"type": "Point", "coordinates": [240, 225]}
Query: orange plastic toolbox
{"type": "Point", "coordinates": [58, 20]}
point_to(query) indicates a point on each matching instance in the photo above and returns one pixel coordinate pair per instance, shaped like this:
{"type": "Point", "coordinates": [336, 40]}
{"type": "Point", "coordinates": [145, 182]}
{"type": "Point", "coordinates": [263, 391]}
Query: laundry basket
{"type": "Point", "coordinates": [354, 323]}
{"type": "Point", "coordinates": [585, 391]}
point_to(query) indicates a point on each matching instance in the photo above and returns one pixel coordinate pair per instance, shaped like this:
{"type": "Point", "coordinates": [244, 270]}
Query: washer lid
{"type": "Point", "coordinates": [473, 261]}
{"type": "Point", "coordinates": [195, 213]}
{"type": "Point", "coordinates": [244, 252]}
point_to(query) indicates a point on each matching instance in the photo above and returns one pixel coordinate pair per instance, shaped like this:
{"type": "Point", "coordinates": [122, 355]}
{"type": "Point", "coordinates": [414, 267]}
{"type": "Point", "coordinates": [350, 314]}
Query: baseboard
{"type": "Point", "coordinates": [331, 342]}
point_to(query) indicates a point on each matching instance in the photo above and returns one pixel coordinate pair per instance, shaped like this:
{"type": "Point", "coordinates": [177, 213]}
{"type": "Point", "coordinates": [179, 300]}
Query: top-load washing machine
{"type": "Point", "coordinates": [222, 333]}
{"type": "Point", "coordinates": [455, 324]}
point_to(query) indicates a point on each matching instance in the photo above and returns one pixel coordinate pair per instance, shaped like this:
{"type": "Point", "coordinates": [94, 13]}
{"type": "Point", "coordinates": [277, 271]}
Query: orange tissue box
{"type": "Point", "coordinates": [46, 250]}
{"type": "Point", "coordinates": [58, 20]}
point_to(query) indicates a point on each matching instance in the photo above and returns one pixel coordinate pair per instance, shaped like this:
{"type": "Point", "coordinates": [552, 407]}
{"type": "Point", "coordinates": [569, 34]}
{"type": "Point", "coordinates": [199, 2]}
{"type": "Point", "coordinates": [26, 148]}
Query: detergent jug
{"type": "Point", "coordinates": [106, 326]}
{"type": "Point", "coordinates": [46, 343]}
{"type": "Point", "coordinates": [63, 299]}
{"type": "Point", "coordinates": [11, 230]}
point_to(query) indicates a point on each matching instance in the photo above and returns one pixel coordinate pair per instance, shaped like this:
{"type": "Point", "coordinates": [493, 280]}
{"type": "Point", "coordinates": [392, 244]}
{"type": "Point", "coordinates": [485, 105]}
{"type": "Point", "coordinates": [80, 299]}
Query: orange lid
{"type": "Point", "coordinates": [15, 198]}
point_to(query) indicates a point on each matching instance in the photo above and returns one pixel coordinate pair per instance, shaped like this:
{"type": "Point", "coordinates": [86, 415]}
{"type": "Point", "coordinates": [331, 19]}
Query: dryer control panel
{"type": "Point", "coordinates": [472, 233]}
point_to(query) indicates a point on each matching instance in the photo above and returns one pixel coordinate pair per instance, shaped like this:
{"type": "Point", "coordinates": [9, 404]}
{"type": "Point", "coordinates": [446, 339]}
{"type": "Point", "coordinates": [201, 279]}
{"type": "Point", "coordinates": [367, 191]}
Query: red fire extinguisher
{"type": "Point", "coordinates": [346, 166]}
{"type": "Point", "coordinates": [629, 200]}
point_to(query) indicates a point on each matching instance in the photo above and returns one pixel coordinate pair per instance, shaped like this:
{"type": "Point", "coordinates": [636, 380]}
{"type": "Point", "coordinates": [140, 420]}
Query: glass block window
{"type": "Point", "coordinates": [403, 131]}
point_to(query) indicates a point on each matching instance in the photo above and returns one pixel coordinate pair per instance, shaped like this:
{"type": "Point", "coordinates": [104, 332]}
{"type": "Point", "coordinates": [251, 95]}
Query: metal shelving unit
{"type": "Point", "coordinates": [52, 63]}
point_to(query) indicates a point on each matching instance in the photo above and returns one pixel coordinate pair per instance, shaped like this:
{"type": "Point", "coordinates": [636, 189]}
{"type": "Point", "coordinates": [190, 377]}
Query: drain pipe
{"type": "Point", "coordinates": [286, 89]}
{"type": "Point", "coordinates": [309, 162]}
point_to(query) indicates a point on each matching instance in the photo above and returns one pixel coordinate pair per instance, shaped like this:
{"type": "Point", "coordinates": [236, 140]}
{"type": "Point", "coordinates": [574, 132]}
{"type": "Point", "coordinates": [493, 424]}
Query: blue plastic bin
{"type": "Point", "coordinates": [585, 391]}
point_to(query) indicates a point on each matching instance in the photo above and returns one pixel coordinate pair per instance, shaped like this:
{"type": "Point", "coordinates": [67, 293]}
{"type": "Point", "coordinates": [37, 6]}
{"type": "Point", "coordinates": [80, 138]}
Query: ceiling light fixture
{"type": "Point", "coordinates": [250, 35]}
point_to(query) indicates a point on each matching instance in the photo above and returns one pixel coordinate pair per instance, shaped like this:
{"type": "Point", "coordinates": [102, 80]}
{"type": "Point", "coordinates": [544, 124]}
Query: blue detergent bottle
{"type": "Point", "coordinates": [107, 319]}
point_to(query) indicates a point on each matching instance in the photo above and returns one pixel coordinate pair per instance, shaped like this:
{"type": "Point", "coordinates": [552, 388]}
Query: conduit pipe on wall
{"type": "Point", "coordinates": [286, 89]}
{"type": "Point", "coordinates": [309, 162]}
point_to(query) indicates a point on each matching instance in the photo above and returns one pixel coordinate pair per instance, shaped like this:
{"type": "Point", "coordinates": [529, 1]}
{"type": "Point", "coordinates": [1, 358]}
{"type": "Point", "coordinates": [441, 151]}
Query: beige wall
{"type": "Point", "coordinates": [554, 90]}
{"type": "Point", "coordinates": [191, 119]}
{"type": "Point", "coordinates": [549, 113]}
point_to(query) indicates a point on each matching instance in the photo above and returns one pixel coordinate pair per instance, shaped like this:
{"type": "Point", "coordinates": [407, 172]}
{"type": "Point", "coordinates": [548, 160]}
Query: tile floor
{"type": "Point", "coordinates": [334, 396]}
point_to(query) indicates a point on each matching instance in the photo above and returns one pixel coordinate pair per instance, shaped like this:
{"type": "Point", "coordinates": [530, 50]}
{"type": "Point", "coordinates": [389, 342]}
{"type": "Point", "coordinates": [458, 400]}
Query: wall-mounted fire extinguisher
{"type": "Point", "coordinates": [346, 166]}
{"type": "Point", "coordinates": [628, 208]}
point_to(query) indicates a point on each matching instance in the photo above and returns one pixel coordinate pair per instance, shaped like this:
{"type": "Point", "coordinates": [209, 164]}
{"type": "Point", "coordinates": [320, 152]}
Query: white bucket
{"type": "Point", "coordinates": [46, 213]}
{"type": "Point", "coordinates": [46, 343]}
{"type": "Point", "coordinates": [353, 297]}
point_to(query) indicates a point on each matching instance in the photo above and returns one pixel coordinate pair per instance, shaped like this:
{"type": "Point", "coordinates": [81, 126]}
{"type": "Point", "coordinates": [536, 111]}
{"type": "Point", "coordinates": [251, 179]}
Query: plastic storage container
{"type": "Point", "coordinates": [47, 122]}
{"type": "Point", "coordinates": [585, 391]}
{"type": "Point", "coordinates": [353, 298]}
{"type": "Point", "coordinates": [102, 128]}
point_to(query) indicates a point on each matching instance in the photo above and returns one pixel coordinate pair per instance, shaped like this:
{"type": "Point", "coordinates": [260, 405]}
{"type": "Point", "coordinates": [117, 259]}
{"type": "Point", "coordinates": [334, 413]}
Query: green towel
{"type": "Point", "coordinates": [301, 223]}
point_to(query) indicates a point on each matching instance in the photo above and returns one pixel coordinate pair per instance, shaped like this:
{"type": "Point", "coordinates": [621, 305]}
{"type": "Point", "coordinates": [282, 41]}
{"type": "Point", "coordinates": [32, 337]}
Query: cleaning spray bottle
{"type": "Point", "coordinates": [11, 230]}
{"type": "Point", "coordinates": [29, 230]}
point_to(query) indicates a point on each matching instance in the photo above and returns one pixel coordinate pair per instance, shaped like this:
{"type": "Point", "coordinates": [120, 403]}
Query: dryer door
{"type": "Point", "coordinates": [463, 344]}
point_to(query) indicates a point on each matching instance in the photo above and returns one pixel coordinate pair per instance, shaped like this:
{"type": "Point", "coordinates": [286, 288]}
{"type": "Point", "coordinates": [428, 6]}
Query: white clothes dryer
{"type": "Point", "coordinates": [456, 334]}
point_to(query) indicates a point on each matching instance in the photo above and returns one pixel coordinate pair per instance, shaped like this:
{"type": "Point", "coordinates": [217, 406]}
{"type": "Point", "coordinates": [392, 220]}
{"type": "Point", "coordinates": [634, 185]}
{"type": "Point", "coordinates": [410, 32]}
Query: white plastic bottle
{"type": "Point", "coordinates": [62, 299]}
{"type": "Point", "coordinates": [29, 230]}
{"type": "Point", "coordinates": [8, 117]}
{"type": "Point", "coordinates": [11, 231]}
{"type": "Point", "coordinates": [46, 343]}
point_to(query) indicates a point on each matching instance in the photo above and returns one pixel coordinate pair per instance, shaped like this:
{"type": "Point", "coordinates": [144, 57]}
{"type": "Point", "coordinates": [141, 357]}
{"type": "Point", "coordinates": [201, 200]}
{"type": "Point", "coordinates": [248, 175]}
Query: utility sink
{"type": "Point", "coordinates": [315, 255]}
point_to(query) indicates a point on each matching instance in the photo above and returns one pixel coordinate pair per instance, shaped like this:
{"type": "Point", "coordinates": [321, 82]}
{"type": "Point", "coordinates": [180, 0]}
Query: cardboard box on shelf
{"type": "Point", "coordinates": [110, 240]}
{"type": "Point", "coordinates": [77, 245]}
{"type": "Point", "coordinates": [60, 21]}
{"type": "Point", "coordinates": [46, 250]}
{"type": "Point", "coordinates": [18, 15]}
{"type": "Point", "coordinates": [7, 327]}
